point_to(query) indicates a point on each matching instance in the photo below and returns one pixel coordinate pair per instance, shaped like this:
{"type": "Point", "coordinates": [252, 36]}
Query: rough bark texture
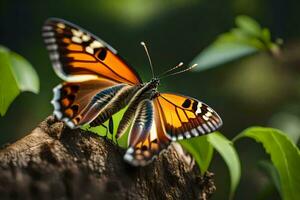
{"type": "Point", "coordinates": [54, 162]}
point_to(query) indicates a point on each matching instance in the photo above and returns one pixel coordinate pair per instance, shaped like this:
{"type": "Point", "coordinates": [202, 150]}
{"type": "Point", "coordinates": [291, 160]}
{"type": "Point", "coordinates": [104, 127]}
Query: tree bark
{"type": "Point", "coordinates": [54, 162]}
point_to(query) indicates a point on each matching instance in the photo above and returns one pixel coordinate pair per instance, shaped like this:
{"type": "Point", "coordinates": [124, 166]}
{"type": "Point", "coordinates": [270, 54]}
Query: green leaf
{"type": "Point", "coordinates": [228, 153]}
{"type": "Point", "coordinates": [221, 53]}
{"type": "Point", "coordinates": [245, 39]}
{"type": "Point", "coordinates": [288, 123]}
{"type": "Point", "coordinates": [25, 74]}
{"type": "Point", "coordinates": [248, 25]}
{"type": "Point", "coordinates": [16, 75]}
{"type": "Point", "coordinates": [269, 169]}
{"type": "Point", "coordinates": [201, 150]}
{"type": "Point", "coordinates": [285, 156]}
{"type": "Point", "coordinates": [102, 131]}
{"type": "Point", "coordinates": [266, 35]}
{"type": "Point", "coordinates": [8, 86]}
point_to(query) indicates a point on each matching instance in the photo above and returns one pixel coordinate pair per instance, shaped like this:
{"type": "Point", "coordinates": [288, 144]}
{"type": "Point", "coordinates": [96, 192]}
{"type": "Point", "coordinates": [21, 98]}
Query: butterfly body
{"type": "Point", "coordinates": [99, 83]}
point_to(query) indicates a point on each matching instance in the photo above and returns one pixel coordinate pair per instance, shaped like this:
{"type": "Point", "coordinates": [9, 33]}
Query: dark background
{"type": "Point", "coordinates": [256, 90]}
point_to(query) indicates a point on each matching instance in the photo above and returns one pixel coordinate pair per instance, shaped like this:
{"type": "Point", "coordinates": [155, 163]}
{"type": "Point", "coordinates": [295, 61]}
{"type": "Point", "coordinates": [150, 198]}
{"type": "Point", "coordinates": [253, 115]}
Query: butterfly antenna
{"type": "Point", "coordinates": [149, 59]}
{"type": "Point", "coordinates": [182, 71]}
{"type": "Point", "coordinates": [173, 68]}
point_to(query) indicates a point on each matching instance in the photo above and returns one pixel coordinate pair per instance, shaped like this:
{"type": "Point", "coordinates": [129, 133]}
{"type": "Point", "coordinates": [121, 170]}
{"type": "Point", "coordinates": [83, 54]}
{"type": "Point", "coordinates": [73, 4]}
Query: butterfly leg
{"type": "Point", "coordinates": [109, 134]}
{"type": "Point", "coordinates": [111, 130]}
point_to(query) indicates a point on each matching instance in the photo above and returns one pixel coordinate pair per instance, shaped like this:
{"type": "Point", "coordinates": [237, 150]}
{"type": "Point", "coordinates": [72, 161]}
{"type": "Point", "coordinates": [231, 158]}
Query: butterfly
{"type": "Point", "coordinates": [99, 83]}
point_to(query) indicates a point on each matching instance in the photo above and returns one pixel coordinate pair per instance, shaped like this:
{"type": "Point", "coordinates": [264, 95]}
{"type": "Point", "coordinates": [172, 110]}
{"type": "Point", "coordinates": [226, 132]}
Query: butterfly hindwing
{"type": "Point", "coordinates": [91, 101]}
{"type": "Point", "coordinates": [146, 138]}
{"type": "Point", "coordinates": [79, 55]}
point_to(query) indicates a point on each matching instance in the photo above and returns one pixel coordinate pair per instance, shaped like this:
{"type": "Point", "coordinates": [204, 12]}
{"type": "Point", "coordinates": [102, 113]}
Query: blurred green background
{"type": "Point", "coordinates": [257, 90]}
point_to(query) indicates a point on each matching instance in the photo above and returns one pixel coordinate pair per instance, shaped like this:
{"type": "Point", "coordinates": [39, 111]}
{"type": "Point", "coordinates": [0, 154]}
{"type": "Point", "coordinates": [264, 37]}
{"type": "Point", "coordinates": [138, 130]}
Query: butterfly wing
{"type": "Point", "coordinates": [185, 117]}
{"type": "Point", "coordinates": [92, 70]}
{"type": "Point", "coordinates": [78, 103]}
{"type": "Point", "coordinates": [169, 117]}
{"type": "Point", "coordinates": [147, 135]}
{"type": "Point", "coordinates": [78, 55]}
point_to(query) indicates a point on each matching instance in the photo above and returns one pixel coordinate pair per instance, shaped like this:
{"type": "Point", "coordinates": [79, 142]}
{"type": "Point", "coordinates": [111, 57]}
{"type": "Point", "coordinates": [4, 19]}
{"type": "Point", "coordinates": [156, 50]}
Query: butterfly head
{"type": "Point", "coordinates": [154, 83]}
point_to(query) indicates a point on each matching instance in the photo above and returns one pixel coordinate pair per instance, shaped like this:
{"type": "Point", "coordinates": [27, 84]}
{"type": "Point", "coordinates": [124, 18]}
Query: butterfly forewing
{"type": "Point", "coordinates": [185, 117]}
{"type": "Point", "coordinates": [78, 55]}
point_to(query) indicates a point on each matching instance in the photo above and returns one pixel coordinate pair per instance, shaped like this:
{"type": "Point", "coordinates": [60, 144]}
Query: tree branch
{"type": "Point", "coordinates": [54, 162]}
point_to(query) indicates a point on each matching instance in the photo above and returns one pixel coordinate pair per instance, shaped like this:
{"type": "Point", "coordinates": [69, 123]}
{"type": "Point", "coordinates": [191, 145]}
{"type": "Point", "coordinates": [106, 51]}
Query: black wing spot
{"type": "Point", "coordinates": [75, 108]}
{"type": "Point", "coordinates": [195, 106]}
{"type": "Point", "coordinates": [186, 103]}
{"type": "Point", "coordinates": [74, 88]}
{"type": "Point", "coordinates": [71, 97]}
{"type": "Point", "coordinates": [102, 53]}
{"type": "Point", "coordinates": [144, 148]}
{"type": "Point", "coordinates": [86, 43]}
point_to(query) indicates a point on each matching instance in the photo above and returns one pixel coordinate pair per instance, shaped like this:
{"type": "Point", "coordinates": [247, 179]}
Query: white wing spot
{"type": "Point", "coordinates": [208, 114]}
{"type": "Point", "coordinates": [180, 137]}
{"type": "Point", "coordinates": [89, 50]}
{"type": "Point", "coordinates": [54, 56]}
{"type": "Point", "coordinates": [201, 129]}
{"type": "Point", "coordinates": [187, 135]}
{"type": "Point", "coordinates": [57, 114]}
{"type": "Point", "coordinates": [61, 25]}
{"type": "Point", "coordinates": [76, 39]}
{"type": "Point", "coordinates": [48, 34]}
{"type": "Point", "coordinates": [96, 44]}
{"type": "Point", "coordinates": [69, 123]}
{"type": "Point", "coordinates": [86, 38]}
{"type": "Point", "coordinates": [49, 40]}
{"type": "Point", "coordinates": [128, 157]}
{"type": "Point", "coordinates": [77, 33]}
{"type": "Point", "coordinates": [209, 109]}
{"type": "Point", "coordinates": [211, 126]}
{"type": "Point", "coordinates": [56, 65]}
{"type": "Point", "coordinates": [47, 28]}
{"type": "Point", "coordinates": [130, 150]}
{"type": "Point", "coordinates": [206, 127]}
{"type": "Point", "coordinates": [215, 123]}
{"type": "Point", "coordinates": [198, 111]}
{"type": "Point", "coordinates": [205, 117]}
{"type": "Point", "coordinates": [194, 132]}
{"type": "Point", "coordinates": [52, 47]}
